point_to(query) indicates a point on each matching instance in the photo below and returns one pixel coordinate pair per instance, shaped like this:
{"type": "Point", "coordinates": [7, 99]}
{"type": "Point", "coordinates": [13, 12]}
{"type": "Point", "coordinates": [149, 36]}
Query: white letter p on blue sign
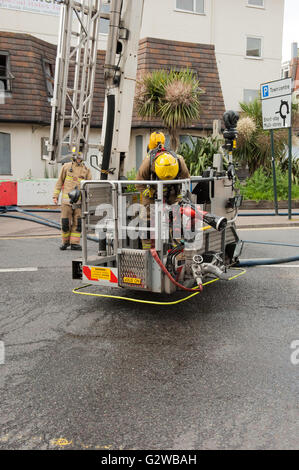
{"type": "Point", "coordinates": [265, 91]}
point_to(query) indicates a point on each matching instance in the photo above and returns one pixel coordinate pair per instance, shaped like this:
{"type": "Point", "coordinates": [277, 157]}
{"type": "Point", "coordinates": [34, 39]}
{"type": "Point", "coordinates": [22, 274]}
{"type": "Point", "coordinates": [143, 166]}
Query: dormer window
{"type": "Point", "coordinates": [6, 76]}
{"type": "Point", "coordinates": [49, 73]}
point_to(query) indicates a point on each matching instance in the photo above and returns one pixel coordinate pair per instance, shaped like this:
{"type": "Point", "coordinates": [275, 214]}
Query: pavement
{"type": "Point", "coordinates": [219, 372]}
{"type": "Point", "coordinates": [11, 227]}
{"type": "Point", "coordinates": [267, 221]}
{"type": "Point", "coordinates": [14, 227]}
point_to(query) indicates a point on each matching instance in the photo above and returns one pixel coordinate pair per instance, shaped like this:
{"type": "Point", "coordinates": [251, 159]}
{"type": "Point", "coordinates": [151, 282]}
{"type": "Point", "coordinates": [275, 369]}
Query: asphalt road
{"type": "Point", "coordinates": [212, 373]}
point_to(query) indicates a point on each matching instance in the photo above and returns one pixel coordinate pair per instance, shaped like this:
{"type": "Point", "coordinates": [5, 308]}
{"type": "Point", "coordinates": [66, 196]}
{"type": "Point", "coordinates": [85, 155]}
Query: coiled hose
{"type": "Point", "coordinates": [177, 284]}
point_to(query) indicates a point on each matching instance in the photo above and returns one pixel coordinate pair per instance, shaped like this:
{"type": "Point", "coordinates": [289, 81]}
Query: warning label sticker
{"type": "Point", "coordinates": [131, 280]}
{"type": "Point", "coordinates": [101, 273]}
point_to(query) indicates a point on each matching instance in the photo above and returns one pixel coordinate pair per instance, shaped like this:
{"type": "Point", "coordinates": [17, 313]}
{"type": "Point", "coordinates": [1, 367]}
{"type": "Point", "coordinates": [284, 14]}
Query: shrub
{"type": "Point", "coordinates": [260, 186]}
{"type": "Point", "coordinates": [199, 155]}
{"type": "Point", "coordinates": [131, 175]}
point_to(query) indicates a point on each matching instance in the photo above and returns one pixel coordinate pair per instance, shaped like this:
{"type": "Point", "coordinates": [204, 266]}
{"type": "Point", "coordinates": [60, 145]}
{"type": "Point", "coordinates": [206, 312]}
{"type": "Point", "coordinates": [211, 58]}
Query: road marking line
{"type": "Point", "coordinates": [13, 270]}
{"type": "Point", "coordinates": [30, 236]}
{"type": "Point", "coordinates": [267, 228]}
{"type": "Point", "coordinates": [279, 266]}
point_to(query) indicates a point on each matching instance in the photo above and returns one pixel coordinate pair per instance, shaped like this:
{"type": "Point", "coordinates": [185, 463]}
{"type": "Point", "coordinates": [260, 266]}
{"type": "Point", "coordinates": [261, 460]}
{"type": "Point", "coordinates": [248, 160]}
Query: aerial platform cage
{"type": "Point", "coordinates": [122, 262]}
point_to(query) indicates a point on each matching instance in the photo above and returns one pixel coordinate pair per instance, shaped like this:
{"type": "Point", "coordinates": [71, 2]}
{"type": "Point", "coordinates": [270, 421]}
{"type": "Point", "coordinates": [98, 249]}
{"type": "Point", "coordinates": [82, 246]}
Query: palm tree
{"type": "Point", "coordinates": [172, 96]}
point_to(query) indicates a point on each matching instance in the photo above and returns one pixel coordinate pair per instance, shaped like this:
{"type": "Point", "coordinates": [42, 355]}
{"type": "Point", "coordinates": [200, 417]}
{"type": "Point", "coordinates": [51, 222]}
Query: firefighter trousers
{"type": "Point", "coordinates": [149, 218]}
{"type": "Point", "coordinates": [70, 224]}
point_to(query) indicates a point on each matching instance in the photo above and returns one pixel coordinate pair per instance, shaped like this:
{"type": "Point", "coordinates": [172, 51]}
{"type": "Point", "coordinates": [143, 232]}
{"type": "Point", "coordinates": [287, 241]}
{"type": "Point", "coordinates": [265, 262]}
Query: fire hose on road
{"type": "Point", "coordinates": [29, 216]}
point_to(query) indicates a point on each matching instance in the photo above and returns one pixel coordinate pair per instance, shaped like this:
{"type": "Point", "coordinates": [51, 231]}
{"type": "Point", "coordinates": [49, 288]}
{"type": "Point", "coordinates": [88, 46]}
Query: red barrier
{"type": "Point", "coordinates": [8, 193]}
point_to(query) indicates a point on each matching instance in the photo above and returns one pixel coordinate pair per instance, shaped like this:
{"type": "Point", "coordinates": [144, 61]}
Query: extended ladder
{"type": "Point", "coordinates": [74, 76]}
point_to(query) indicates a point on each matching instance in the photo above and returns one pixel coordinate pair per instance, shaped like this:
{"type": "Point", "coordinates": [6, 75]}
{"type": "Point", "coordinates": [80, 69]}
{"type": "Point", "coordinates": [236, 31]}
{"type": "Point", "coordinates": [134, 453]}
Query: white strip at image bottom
{"type": "Point", "coordinates": [15, 270]}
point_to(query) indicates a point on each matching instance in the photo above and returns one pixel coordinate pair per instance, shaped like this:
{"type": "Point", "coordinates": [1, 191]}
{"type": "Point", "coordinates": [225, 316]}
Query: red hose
{"type": "Point", "coordinates": [190, 212]}
{"type": "Point", "coordinates": [161, 265]}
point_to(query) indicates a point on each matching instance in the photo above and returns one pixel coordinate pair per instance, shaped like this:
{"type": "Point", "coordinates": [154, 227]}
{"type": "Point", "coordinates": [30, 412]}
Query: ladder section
{"type": "Point", "coordinates": [120, 79]}
{"type": "Point", "coordinates": [74, 77]}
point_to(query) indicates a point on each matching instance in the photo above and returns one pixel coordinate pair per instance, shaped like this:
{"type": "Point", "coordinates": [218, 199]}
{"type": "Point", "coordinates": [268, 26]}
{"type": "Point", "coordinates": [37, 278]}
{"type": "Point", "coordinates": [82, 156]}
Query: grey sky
{"type": "Point", "coordinates": [291, 27]}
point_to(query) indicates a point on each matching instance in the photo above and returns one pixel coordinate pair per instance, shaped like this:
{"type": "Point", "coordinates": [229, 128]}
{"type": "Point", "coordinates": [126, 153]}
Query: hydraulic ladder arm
{"type": "Point", "coordinates": [120, 78]}
{"type": "Point", "coordinates": [75, 77]}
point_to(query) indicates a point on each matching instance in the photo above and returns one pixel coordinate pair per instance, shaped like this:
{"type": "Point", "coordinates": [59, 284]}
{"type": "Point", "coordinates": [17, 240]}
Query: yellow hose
{"type": "Point", "coordinates": [77, 291]}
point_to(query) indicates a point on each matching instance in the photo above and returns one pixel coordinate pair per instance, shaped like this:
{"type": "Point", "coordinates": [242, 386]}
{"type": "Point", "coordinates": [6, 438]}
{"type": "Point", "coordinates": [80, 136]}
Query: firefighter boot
{"type": "Point", "coordinates": [64, 246]}
{"type": "Point", "coordinates": [76, 247]}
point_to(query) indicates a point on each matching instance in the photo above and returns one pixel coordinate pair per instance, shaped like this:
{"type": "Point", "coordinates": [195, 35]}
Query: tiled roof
{"type": "Point", "coordinates": [29, 100]}
{"type": "Point", "coordinates": [157, 54]}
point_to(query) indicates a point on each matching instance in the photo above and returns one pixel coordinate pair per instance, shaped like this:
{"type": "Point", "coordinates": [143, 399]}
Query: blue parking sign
{"type": "Point", "coordinates": [265, 91]}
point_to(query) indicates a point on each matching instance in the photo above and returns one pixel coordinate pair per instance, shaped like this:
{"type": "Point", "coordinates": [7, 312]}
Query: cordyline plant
{"type": "Point", "coordinates": [172, 96]}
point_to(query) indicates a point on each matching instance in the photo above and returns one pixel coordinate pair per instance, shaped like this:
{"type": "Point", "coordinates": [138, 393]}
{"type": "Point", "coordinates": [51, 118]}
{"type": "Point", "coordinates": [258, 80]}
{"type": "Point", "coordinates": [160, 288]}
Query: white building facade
{"type": "Point", "coordinates": [247, 35]}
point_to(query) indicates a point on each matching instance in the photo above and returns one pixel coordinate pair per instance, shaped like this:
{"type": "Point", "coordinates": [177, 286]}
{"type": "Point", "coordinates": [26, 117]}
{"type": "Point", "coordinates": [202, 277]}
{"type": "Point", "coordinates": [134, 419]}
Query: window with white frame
{"type": "Point", "coordinates": [192, 6]}
{"type": "Point", "coordinates": [5, 154]}
{"type": "Point", "coordinates": [250, 95]}
{"type": "Point", "coordinates": [104, 24]}
{"type": "Point", "coordinates": [256, 3]}
{"type": "Point", "coordinates": [253, 47]}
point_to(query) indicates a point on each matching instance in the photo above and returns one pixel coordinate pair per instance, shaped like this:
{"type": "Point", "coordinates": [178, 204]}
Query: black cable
{"type": "Point", "coordinates": [108, 137]}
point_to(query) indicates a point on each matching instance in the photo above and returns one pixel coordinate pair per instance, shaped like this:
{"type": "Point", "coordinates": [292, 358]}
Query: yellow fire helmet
{"type": "Point", "coordinates": [166, 166]}
{"type": "Point", "coordinates": [156, 138]}
{"type": "Point", "coordinates": [76, 155]}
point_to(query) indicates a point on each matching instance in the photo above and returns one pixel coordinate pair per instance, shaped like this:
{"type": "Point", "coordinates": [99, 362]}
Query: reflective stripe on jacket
{"type": "Point", "coordinates": [71, 175]}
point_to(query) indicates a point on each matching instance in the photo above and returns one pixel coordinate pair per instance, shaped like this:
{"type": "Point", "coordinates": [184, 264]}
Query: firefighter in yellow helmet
{"type": "Point", "coordinates": [70, 178]}
{"type": "Point", "coordinates": [160, 164]}
{"type": "Point", "coordinates": [157, 139]}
